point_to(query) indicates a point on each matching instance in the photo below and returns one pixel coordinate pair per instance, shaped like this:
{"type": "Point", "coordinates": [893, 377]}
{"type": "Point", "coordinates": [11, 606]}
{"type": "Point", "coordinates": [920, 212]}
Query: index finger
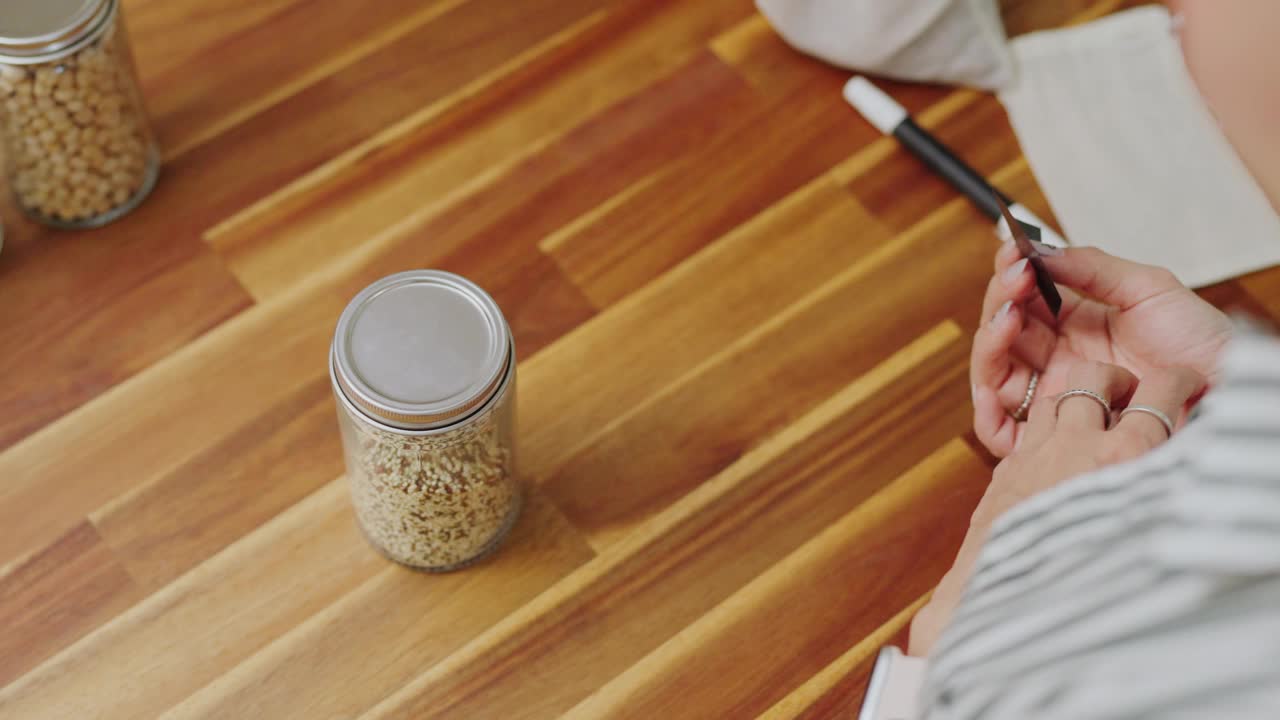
{"type": "Point", "coordinates": [1112, 280]}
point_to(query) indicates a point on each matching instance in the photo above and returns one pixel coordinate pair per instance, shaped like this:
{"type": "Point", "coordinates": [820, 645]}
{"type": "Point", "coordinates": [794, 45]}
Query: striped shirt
{"type": "Point", "coordinates": [1149, 589]}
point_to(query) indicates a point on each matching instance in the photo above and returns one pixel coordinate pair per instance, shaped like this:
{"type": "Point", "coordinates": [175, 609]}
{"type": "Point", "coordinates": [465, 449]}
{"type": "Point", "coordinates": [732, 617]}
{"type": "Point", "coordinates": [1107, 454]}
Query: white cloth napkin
{"type": "Point", "coordinates": [1128, 154]}
{"type": "Point", "coordinates": [951, 41]}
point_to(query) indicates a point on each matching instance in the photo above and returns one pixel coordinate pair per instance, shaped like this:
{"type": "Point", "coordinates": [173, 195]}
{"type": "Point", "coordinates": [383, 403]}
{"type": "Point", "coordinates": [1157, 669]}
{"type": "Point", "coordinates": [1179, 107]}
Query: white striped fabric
{"type": "Point", "coordinates": [1144, 590]}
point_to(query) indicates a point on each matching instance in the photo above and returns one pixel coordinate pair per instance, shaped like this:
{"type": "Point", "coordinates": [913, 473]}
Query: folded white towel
{"type": "Point", "coordinates": [1128, 154]}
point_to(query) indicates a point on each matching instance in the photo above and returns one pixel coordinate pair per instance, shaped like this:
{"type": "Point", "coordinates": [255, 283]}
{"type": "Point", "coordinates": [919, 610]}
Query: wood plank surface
{"type": "Point", "coordinates": [829, 593]}
{"type": "Point", "coordinates": [742, 320]}
{"type": "Point", "coordinates": [560, 648]}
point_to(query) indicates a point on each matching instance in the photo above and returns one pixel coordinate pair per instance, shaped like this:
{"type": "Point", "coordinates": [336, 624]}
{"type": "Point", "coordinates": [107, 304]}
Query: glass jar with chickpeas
{"type": "Point", "coordinates": [78, 149]}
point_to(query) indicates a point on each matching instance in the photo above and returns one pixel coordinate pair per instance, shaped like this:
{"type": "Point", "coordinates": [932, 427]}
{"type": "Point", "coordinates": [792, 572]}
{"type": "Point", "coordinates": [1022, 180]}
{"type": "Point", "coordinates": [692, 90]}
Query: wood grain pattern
{"type": "Point", "coordinates": [209, 620]}
{"type": "Point", "coordinates": [227, 490]}
{"type": "Point", "coordinates": [71, 331]}
{"type": "Point", "coordinates": [398, 179]}
{"type": "Point", "coordinates": [1263, 289]}
{"type": "Point", "coordinates": [742, 319]}
{"type": "Point", "coordinates": [363, 647]}
{"type": "Point", "coordinates": [779, 368]}
{"type": "Point", "coordinates": [830, 592]}
{"type": "Point", "coordinates": [57, 596]}
{"type": "Point", "coordinates": [146, 427]}
{"type": "Point", "coordinates": [837, 687]}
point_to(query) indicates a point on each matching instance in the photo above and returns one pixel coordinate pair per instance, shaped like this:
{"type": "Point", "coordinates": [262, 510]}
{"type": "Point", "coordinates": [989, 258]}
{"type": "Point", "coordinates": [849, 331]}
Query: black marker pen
{"type": "Point", "coordinates": [891, 118]}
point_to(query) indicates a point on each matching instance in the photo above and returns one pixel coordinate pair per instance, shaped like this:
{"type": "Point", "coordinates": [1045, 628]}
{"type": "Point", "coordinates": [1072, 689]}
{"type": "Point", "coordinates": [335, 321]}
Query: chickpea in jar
{"type": "Point", "coordinates": [78, 148]}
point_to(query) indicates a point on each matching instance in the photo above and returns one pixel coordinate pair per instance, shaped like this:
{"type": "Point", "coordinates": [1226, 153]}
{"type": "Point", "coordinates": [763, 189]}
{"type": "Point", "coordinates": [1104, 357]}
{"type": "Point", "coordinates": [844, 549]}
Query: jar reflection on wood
{"type": "Point", "coordinates": [423, 369]}
{"type": "Point", "coordinates": [79, 150]}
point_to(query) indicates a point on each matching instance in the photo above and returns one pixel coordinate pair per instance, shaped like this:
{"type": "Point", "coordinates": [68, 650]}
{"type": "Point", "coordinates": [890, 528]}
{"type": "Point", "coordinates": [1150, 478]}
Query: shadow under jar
{"type": "Point", "coordinates": [423, 369]}
{"type": "Point", "coordinates": [79, 151]}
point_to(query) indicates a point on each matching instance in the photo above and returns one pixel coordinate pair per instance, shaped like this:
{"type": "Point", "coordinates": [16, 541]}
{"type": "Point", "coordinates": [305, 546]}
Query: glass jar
{"type": "Point", "coordinates": [423, 368]}
{"type": "Point", "coordinates": [79, 150]}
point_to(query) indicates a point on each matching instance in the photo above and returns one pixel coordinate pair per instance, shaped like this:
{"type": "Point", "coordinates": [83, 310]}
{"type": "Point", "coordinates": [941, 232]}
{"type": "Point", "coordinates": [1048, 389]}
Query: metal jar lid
{"type": "Point", "coordinates": [36, 31]}
{"type": "Point", "coordinates": [420, 349]}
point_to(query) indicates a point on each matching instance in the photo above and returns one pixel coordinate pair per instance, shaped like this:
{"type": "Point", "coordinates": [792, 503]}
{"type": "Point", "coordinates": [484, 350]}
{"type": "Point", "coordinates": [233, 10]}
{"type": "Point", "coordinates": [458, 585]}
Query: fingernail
{"type": "Point", "coordinates": [1014, 271]}
{"type": "Point", "coordinates": [1004, 310]}
{"type": "Point", "coordinates": [1046, 250]}
{"type": "Point", "coordinates": [1007, 251]}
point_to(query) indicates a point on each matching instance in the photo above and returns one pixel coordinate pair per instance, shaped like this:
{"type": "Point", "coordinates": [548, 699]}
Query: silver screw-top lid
{"type": "Point", "coordinates": [33, 31]}
{"type": "Point", "coordinates": [420, 349]}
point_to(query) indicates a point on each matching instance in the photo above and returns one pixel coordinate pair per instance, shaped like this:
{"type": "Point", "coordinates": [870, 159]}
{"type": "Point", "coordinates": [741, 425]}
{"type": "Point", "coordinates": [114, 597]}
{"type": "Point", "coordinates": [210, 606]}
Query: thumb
{"type": "Point", "coordinates": [1112, 280]}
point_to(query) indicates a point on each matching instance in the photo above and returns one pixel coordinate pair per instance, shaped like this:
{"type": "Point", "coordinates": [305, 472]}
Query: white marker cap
{"type": "Point", "coordinates": [875, 104]}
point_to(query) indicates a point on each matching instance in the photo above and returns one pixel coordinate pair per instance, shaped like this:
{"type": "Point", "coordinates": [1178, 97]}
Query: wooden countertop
{"type": "Point", "coordinates": [742, 317]}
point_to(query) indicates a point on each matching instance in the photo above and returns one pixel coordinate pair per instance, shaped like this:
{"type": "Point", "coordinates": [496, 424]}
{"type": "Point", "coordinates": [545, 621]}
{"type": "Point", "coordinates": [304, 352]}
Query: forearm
{"type": "Point", "coordinates": [933, 618]}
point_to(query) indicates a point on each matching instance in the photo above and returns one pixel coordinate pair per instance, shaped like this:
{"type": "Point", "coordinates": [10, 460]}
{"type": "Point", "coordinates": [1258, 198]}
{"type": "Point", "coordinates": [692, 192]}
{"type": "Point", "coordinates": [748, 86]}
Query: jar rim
{"type": "Point", "coordinates": [421, 349]}
{"type": "Point", "coordinates": [490, 400]}
{"type": "Point", "coordinates": [82, 27]}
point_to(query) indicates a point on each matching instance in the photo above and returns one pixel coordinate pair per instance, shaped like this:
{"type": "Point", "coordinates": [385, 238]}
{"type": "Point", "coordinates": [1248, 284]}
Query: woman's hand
{"type": "Point", "coordinates": [1059, 443]}
{"type": "Point", "coordinates": [1138, 317]}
